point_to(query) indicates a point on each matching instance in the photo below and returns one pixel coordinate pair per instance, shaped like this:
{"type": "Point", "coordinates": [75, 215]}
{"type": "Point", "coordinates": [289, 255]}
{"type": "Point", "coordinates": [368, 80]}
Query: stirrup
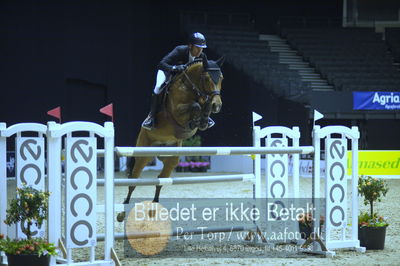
{"type": "Point", "coordinates": [211, 122]}
{"type": "Point", "coordinates": [148, 123]}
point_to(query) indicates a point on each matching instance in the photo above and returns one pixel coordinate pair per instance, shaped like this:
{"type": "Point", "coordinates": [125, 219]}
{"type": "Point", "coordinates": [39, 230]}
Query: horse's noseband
{"type": "Point", "coordinates": [207, 97]}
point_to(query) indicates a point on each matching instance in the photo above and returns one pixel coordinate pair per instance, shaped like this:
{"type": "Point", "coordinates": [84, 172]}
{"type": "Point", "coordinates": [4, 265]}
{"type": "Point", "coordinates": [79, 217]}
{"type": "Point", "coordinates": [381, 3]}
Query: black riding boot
{"type": "Point", "coordinates": [149, 122]}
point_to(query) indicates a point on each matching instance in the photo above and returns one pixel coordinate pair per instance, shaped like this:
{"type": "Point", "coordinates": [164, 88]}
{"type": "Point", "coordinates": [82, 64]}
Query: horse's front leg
{"type": "Point", "coordinates": [139, 164]}
{"type": "Point", "coordinates": [169, 165]}
{"type": "Point", "coordinates": [189, 109]}
{"type": "Point", "coordinates": [191, 113]}
{"type": "Point", "coordinates": [204, 116]}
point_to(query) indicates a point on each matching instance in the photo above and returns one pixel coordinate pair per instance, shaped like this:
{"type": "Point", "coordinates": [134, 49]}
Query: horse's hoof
{"type": "Point", "coordinates": [152, 213]}
{"type": "Point", "coordinates": [121, 217]}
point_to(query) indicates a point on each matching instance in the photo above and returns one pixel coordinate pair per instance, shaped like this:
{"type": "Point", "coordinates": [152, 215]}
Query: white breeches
{"type": "Point", "coordinates": [159, 81]}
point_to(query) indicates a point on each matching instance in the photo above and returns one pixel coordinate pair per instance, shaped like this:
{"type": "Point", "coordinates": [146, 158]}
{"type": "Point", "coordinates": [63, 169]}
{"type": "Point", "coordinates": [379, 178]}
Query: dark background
{"type": "Point", "coordinates": [82, 55]}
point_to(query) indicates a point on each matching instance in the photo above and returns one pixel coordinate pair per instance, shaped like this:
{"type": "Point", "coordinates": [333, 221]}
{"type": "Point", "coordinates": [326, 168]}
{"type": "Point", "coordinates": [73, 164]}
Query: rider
{"type": "Point", "coordinates": [172, 64]}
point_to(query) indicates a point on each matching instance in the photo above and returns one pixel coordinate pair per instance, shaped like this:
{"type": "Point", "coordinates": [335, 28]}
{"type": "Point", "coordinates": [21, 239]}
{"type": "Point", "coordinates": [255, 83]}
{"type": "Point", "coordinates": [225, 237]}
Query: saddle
{"type": "Point", "coordinates": [164, 92]}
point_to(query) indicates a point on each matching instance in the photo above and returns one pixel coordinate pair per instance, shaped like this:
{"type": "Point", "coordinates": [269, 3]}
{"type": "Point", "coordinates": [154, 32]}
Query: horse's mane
{"type": "Point", "coordinates": [196, 61]}
{"type": "Point", "coordinates": [214, 70]}
{"type": "Point", "coordinates": [211, 63]}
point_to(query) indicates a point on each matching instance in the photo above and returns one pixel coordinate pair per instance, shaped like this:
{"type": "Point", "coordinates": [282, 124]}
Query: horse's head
{"type": "Point", "coordinates": [202, 82]}
{"type": "Point", "coordinates": [211, 81]}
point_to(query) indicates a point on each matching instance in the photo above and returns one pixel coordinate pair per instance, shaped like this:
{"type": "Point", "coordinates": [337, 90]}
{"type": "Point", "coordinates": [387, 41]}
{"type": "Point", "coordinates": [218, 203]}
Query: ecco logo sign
{"type": "Point", "coordinates": [336, 181]}
{"type": "Point", "coordinates": [81, 191]}
{"type": "Point", "coordinates": [277, 175]}
{"type": "Point", "coordinates": [30, 171]}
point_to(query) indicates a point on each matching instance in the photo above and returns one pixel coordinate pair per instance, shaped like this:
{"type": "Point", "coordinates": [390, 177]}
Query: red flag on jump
{"type": "Point", "coordinates": [108, 110]}
{"type": "Point", "coordinates": [56, 112]}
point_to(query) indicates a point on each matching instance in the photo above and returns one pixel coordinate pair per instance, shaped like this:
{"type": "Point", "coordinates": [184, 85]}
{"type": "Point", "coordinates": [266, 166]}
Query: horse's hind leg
{"type": "Point", "coordinates": [169, 165]}
{"type": "Point", "coordinates": [140, 163]}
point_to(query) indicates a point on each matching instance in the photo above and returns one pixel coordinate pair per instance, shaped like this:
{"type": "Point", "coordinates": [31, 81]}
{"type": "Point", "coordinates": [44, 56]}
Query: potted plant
{"type": "Point", "coordinates": [193, 163]}
{"type": "Point", "coordinates": [29, 206]}
{"type": "Point", "coordinates": [194, 141]}
{"type": "Point", "coordinates": [183, 167]}
{"type": "Point", "coordinates": [371, 226]}
{"type": "Point", "coordinates": [306, 224]}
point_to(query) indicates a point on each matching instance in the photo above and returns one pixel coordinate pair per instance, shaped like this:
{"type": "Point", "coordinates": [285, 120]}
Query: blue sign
{"type": "Point", "coordinates": [376, 100]}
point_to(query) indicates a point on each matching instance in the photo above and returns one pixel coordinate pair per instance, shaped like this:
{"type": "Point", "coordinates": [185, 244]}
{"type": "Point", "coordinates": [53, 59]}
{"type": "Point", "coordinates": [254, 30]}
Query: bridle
{"type": "Point", "coordinates": [207, 96]}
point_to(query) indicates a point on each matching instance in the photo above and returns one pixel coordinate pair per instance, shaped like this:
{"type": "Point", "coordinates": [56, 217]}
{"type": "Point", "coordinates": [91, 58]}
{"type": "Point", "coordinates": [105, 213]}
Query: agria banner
{"type": "Point", "coordinates": [376, 100]}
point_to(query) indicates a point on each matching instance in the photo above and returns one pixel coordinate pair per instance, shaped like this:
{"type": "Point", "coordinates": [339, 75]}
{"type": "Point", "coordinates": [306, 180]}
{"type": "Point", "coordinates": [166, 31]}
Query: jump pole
{"type": "Point", "coordinates": [179, 180]}
{"type": "Point", "coordinates": [177, 233]}
{"type": "Point", "coordinates": [207, 151]}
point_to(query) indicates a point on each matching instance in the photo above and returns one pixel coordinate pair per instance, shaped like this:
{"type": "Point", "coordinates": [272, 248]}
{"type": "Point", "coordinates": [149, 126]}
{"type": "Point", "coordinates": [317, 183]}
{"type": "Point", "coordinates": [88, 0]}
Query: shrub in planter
{"type": "Point", "coordinates": [371, 226]}
{"type": "Point", "coordinates": [33, 251]}
{"type": "Point", "coordinates": [29, 206]}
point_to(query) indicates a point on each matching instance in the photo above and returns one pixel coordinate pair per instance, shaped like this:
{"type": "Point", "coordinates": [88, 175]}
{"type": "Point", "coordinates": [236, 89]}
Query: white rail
{"type": "Point", "coordinates": [192, 151]}
{"type": "Point", "coordinates": [180, 180]}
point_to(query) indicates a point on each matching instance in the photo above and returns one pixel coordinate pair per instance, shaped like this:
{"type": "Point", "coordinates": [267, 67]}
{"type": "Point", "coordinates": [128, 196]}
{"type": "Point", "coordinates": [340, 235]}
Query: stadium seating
{"type": "Point", "coordinates": [393, 41]}
{"type": "Point", "coordinates": [245, 51]}
{"type": "Point", "coordinates": [349, 58]}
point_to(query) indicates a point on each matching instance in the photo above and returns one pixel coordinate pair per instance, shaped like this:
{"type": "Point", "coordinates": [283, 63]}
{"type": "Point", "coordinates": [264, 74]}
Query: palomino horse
{"type": "Point", "coordinates": [193, 95]}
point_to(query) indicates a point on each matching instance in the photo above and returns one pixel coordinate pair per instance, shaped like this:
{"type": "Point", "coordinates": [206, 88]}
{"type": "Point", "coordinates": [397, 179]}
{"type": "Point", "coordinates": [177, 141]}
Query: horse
{"type": "Point", "coordinates": [190, 99]}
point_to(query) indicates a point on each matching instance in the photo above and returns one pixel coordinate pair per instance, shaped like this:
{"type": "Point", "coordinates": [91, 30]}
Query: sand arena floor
{"type": "Point", "coordinates": [389, 207]}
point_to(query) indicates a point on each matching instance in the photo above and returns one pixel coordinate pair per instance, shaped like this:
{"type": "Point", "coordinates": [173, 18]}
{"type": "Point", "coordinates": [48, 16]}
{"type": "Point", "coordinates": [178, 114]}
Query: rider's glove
{"type": "Point", "coordinates": [178, 68]}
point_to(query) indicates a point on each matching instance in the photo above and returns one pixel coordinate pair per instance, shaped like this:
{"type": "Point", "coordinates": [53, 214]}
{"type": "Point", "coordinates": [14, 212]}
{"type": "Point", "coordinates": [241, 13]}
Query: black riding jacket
{"type": "Point", "coordinates": [178, 56]}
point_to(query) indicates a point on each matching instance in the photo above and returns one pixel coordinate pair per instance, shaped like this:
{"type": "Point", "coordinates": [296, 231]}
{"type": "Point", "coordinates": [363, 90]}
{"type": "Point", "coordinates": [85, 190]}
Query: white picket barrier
{"type": "Point", "coordinates": [81, 185]}
{"type": "Point", "coordinates": [336, 217]}
{"type": "Point", "coordinates": [81, 179]}
{"type": "Point", "coordinates": [30, 168]}
{"type": "Point", "coordinates": [277, 168]}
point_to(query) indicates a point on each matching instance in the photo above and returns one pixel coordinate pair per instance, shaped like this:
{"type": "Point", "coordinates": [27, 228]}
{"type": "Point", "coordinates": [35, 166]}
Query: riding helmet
{"type": "Point", "coordinates": [198, 39]}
